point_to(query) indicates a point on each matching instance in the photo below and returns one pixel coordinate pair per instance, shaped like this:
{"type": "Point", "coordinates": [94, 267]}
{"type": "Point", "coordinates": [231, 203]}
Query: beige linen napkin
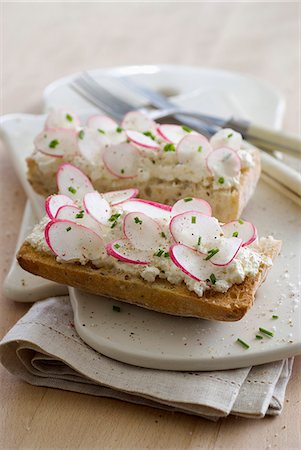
{"type": "Point", "coordinates": [44, 349]}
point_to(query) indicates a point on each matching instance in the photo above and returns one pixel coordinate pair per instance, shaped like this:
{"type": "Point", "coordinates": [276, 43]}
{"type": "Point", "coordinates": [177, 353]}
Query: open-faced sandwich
{"type": "Point", "coordinates": [178, 260]}
{"type": "Point", "coordinates": [165, 162]}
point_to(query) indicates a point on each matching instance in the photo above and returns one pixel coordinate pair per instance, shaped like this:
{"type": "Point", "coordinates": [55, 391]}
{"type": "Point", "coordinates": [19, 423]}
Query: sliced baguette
{"type": "Point", "coordinates": [227, 204]}
{"type": "Point", "coordinates": [158, 296]}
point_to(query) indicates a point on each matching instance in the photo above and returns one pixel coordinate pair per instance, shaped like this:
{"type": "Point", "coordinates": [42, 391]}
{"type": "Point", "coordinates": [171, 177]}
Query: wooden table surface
{"type": "Point", "coordinates": [41, 42]}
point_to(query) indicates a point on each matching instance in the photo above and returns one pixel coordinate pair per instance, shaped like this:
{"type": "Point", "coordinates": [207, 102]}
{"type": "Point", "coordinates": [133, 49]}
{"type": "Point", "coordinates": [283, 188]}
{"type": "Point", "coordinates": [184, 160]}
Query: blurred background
{"type": "Point", "coordinates": [44, 41]}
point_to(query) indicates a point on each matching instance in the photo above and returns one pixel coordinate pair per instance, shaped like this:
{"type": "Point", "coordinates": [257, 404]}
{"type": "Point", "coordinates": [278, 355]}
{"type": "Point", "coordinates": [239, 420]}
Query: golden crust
{"type": "Point", "coordinates": [227, 204]}
{"type": "Point", "coordinates": [158, 296]}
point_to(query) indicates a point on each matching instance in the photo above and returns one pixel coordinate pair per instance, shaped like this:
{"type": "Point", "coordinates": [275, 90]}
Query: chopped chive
{"type": "Point", "coordinates": [122, 171]}
{"type": "Point", "coordinates": [114, 224]}
{"type": "Point", "coordinates": [199, 240]}
{"type": "Point", "coordinates": [80, 215]}
{"type": "Point", "coordinates": [149, 134]}
{"type": "Point", "coordinates": [163, 234]}
{"type": "Point", "coordinates": [235, 234]}
{"type": "Point", "coordinates": [186, 128]}
{"type": "Point", "coordinates": [166, 255]}
{"type": "Point", "coordinates": [137, 220]}
{"type": "Point", "coordinates": [189, 199]}
{"type": "Point", "coordinates": [258, 336]}
{"type": "Point", "coordinates": [53, 143]}
{"type": "Point", "coordinates": [101, 131]}
{"type": "Point", "coordinates": [169, 148]}
{"type": "Point", "coordinates": [81, 134]}
{"type": "Point", "coordinates": [119, 130]}
{"type": "Point", "coordinates": [242, 343]}
{"type": "Point", "coordinates": [72, 190]}
{"type": "Point", "coordinates": [116, 308]}
{"type": "Point", "coordinates": [267, 332]}
{"type": "Point", "coordinates": [200, 148]}
{"type": "Point", "coordinates": [211, 253]}
{"type": "Point", "coordinates": [230, 135]}
{"type": "Point", "coordinates": [275, 317]}
{"type": "Point", "coordinates": [221, 180]}
{"type": "Point", "coordinates": [193, 219]}
{"type": "Point", "coordinates": [116, 245]}
{"type": "Point", "coordinates": [69, 118]}
{"type": "Point", "coordinates": [114, 217]}
{"type": "Point", "coordinates": [68, 229]}
{"type": "Point", "coordinates": [213, 278]}
{"type": "Point", "coordinates": [159, 253]}
{"type": "Point", "coordinates": [241, 221]}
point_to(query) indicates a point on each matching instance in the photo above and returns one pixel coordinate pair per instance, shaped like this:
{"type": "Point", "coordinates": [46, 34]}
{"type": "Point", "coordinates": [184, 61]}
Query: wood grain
{"type": "Point", "coordinates": [41, 42]}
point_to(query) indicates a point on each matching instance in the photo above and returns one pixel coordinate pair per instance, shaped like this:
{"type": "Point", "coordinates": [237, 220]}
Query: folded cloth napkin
{"type": "Point", "coordinates": [44, 349]}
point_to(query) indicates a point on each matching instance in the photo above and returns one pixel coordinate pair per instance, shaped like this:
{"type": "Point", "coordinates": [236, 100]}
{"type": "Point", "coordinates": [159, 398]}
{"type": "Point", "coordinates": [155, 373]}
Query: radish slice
{"type": "Point", "coordinates": [102, 123]}
{"type": "Point", "coordinates": [151, 209]}
{"type": "Point", "coordinates": [57, 142]}
{"type": "Point", "coordinates": [92, 144]}
{"type": "Point", "coordinates": [190, 261]}
{"type": "Point", "coordinates": [226, 138]}
{"type": "Point", "coordinates": [73, 182]}
{"type": "Point", "coordinates": [77, 215]}
{"type": "Point", "coordinates": [54, 202]}
{"type": "Point", "coordinates": [191, 204]}
{"type": "Point", "coordinates": [121, 160]}
{"type": "Point", "coordinates": [173, 133]}
{"type": "Point", "coordinates": [241, 229]}
{"type": "Point", "coordinates": [98, 207]}
{"type": "Point", "coordinates": [193, 147]}
{"type": "Point", "coordinates": [70, 241]}
{"type": "Point", "coordinates": [143, 232]}
{"type": "Point", "coordinates": [141, 140]}
{"type": "Point", "coordinates": [123, 250]}
{"type": "Point", "coordinates": [117, 197]}
{"type": "Point", "coordinates": [62, 118]}
{"type": "Point", "coordinates": [138, 121]}
{"type": "Point", "coordinates": [227, 250]}
{"type": "Point", "coordinates": [193, 228]}
{"type": "Point", "coordinates": [224, 162]}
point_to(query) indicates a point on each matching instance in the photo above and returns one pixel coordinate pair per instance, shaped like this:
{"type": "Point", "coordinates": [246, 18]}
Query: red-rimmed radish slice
{"type": "Point", "coordinates": [92, 144]}
{"type": "Point", "coordinates": [77, 215]}
{"type": "Point", "coordinates": [192, 147]}
{"type": "Point", "coordinates": [151, 209]}
{"type": "Point", "coordinates": [102, 123]}
{"type": "Point", "coordinates": [62, 118]}
{"type": "Point", "coordinates": [54, 202]}
{"type": "Point", "coordinates": [71, 241]}
{"type": "Point", "coordinates": [173, 133]}
{"type": "Point", "coordinates": [190, 261]}
{"type": "Point", "coordinates": [241, 229]}
{"type": "Point", "coordinates": [72, 182]}
{"type": "Point", "coordinates": [143, 232]}
{"type": "Point", "coordinates": [57, 142]}
{"type": "Point", "coordinates": [124, 251]}
{"type": "Point", "coordinates": [141, 140]}
{"type": "Point", "coordinates": [137, 121]}
{"type": "Point", "coordinates": [98, 207]}
{"type": "Point", "coordinates": [122, 160]}
{"type": "Point", "coordinates": [227, 250]}
{"type": "Point", "coordinates": [191, 204]}
{"type": "Point", "coordinates": [226, 137]}
{"type": "Point", "coordinates": [117, 197]}
{"type": "Point", "coordinates": [224, 162]}
{"type": "Point", "coordinates": [193, 228]}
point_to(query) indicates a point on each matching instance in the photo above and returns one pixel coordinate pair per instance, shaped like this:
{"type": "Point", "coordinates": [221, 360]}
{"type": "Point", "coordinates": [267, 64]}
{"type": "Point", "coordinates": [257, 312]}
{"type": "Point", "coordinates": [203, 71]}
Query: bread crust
{"type": "Point", "coordinates": [227, 204]}
{"type": "Point", "coordinates": [160, 296]}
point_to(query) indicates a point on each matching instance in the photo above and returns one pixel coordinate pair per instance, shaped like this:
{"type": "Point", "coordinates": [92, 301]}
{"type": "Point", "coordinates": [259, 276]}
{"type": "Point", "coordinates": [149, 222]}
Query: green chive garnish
{"type": "Point", "coordinates": [116, 308]}
{"type": "Point", "coordinates": [193, 219]}
{"type": "Point", "coordinates": [114, 217]}
{"type": "Point", "coordinates": [213, 278]}
{"type": "Point", "coordinates": [221, 180]}
{"type": "Point", "coordinates": [81, 134]}
{"type": "Point", "coordinates": [69, 118]}
{"type": "Point", "coordinates": [211, 253]}
{"type": "Point", "coordinates": [119, 130]}
{"type": "Point", "coordinates": [169, 148]}
{"type": "Point", "coordinates": [122, 171]}
{"type": "Point", "coordinates": [53, 143]}
{"type": "Point", "coordinates": [230, 135]}
{"type": "Point", "coordinates": [200, 149]}
{"type": "Point", "coordinates": [163, 234]}
{"type": "Point", "coordinates": [258, 336]}
{"type": "Point", "coordinates": [159, 252]}
{"type": "Point", "coordinates": [199, 240]}
{"type": "Point", "coordinates": [68, 229]}
{"type": "Point", "coordinates": [235, 234]}
{"type": "Point", "coordinates": [166, 255]}
{"type": "Point", "coordinates": [72, 190]}
{"type": "Point", "coordinates": [116, 246]}
{"type": "Point", "coordinates": [186, 128]}
{"type": "Point", "coordinates": [242, 343]}
{"type": "Point", "coordinates": [80, 215]}
{"type": "Point", "coordinates": [189, 199]}
{"type": "Point", "coordinates": [101, 131]}
{"type": "Point", "coordinates": [275, 317]}
{"type": "Point", "coordinates": [241, 221]}
{"type": "Point", "coordinates": [137, 220]}
{"type": "Point", "coordinates": [149, 134]}
{"type": "Point", "coordinates": [267, 332]}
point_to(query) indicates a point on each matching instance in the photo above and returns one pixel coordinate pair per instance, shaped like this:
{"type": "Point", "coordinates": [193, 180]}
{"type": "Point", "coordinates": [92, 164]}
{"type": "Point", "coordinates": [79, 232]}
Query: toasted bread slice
{"type": "Point", "coordinates": [160, 295]}
{"type": "Point", "coordinates": [227, 204]}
